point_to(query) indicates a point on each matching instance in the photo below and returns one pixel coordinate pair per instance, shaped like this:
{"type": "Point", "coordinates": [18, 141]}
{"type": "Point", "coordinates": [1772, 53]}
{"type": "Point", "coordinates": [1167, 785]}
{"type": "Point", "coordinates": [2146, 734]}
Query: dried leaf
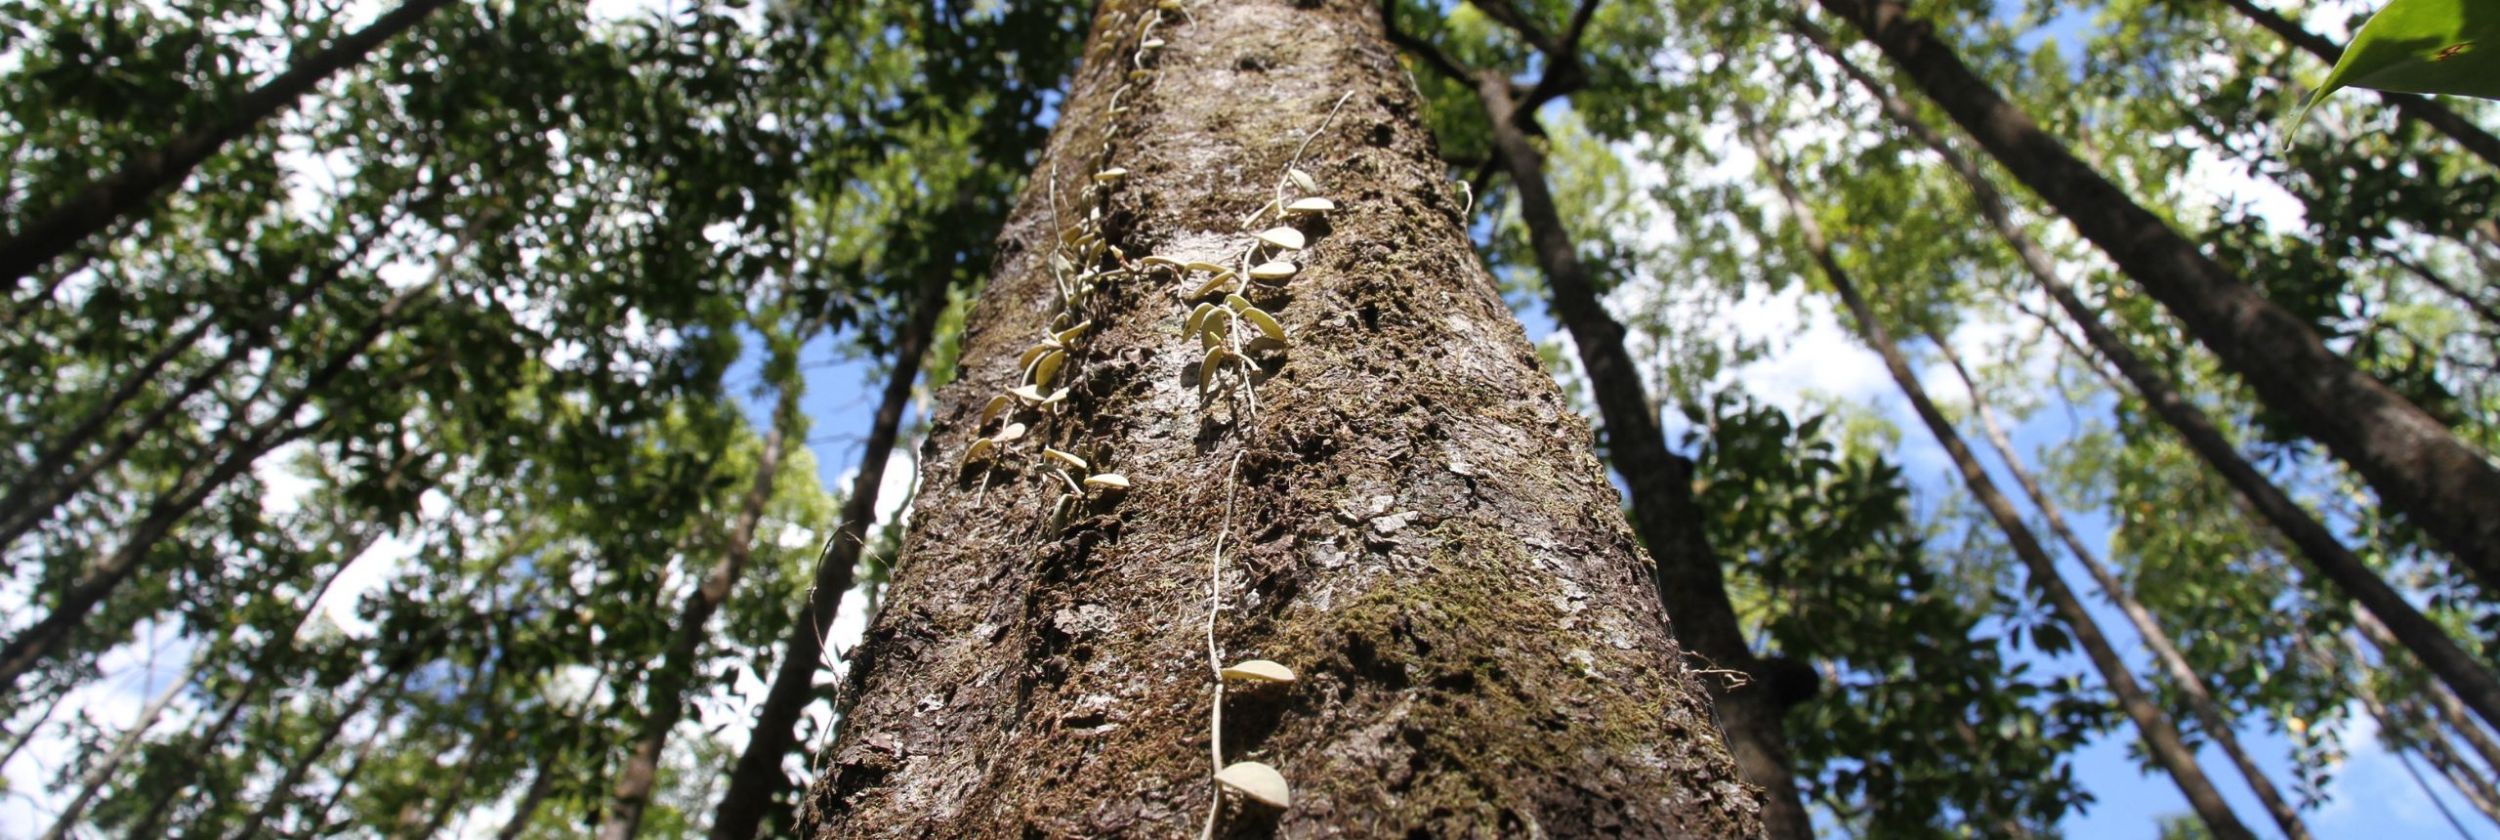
{"type": "Point", "coordinates": [1218, 283]}
{"type": "Point", "coordinates": [1068, 458]}
{"type": "Point", "coordinates": [980, 450]}
{"type": "Point", "coordinates": [1071, 333]}
{"type": "Point", "coordinates": [1259, 670]}
{"type": "Point", "coordinates": [1197, 318]}
{"type": "Point", "coordinates": [1282, 237]}
{"type": "Point", "coordinates": [1273, 271]}
{"type": "Point", "coordinates": [997, 405]}
{"type": "Point", "coordinates": [1107, 481]}
{"type": "Point", "coordinates": [1259, 782]}
{"type": "Point", "coordinates": [1027, 393]}
{"type": "Point", "coordinates": [1014, 432]}
{"type": "Point", "coordinates": [1308, 206]}
{"type": "Point", "coordinates": [1267, 323]}
{"type": "Point", "coordinates": [1207, 367]}
{"type": "Point", "coordinates": [1237, 303]}
{"type": "Point", "coordinates": [1110, 175]}
{"type": "Point", "coordinates": [1302, 179]}
{"type": "Point", "coordinates": [1047, 367]}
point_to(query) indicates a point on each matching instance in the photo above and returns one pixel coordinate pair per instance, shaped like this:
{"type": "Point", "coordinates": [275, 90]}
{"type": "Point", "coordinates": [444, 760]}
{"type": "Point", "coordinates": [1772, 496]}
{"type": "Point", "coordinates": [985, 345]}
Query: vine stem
{"type": "Point", "coordinates": [1215, 657]}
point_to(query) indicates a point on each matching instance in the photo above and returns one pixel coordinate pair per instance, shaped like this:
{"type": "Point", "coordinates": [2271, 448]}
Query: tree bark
{"type": "Point", "coordinates": [2419, 469]}
{"type": "Point", "coordinates": [2471, 137]}
{"type": "Point", "coordinates": [2209, 713]}
{"type": "Point", "coordinates": [2471, 678]}
{"type": "Point", "coordinates": [1409, 518]}
{"type": "Point", "coordinates": [1689, 580]}
{"type": "Point", "coordinates": [126, 192]}
{"type": "Point", "coordinates": [664, 698]}
{"type": "Point", "coordinates": [2161, 736]}
{"type": "Point", "coordinates": [758, 780]}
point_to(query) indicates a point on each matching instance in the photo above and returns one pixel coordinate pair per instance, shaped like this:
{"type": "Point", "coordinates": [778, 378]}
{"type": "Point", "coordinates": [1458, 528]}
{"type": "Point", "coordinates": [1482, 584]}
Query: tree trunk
{"type": "Point", "coordinates": [2161, 737]}
{"type": "Point", "coordinates": [2471, 678]}
{"type": "Point", "coordinates": [1416, 525]}
{"type": "Point", "coordinates": [664, 698]}
{"type": "Point", "coordinates": [2451, 711]}
{"type": "Point", "coordinates": [542, 782]}
{"type": "Point", "coordinates": [394, 680]}
{"type": "Point", "coordinates": [36, 642]}
{"type": "Point", "coordinates": [2418, 467]}
{"type": "Point", "coordinates": [126, 192]}
{"type": "Point", "coordinates": [758, 780]}
{"type": "Point", "coordinates": [2209, 713]}
{"type": "Point", "coordinates": [33, 497]}
{"type": "Point", "coordinates": [2471, 137]}
{"type": "Point", "coordinates": [102, 773]}
{"type": "Point", "coordinates": [2403, 729]}
{"type": "Point", "coordinates": [1689, 579]}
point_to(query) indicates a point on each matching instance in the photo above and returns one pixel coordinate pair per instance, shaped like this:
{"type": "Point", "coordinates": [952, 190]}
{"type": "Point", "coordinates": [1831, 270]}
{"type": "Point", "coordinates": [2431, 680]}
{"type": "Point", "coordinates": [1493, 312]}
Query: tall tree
{"type": "Point", "coordinates": [758, 780]}
{"type": "Point", "coordinates": [65, 226]}
{"type": "Point", "coordinates": [2419, 468]}
{"type": "Point", "coordinates": [2325, 551]}
{"type": "Point", "coordinates": [1351, 466]}
{"type": "Point", "coordinates": [1689, 579]}
{"type": "Point", "coordinates": [2160, 733]}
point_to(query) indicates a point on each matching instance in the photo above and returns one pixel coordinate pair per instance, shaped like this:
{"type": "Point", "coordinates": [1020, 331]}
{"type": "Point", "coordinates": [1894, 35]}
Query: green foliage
{"type": "Point", "coordinates": [2420, 46]}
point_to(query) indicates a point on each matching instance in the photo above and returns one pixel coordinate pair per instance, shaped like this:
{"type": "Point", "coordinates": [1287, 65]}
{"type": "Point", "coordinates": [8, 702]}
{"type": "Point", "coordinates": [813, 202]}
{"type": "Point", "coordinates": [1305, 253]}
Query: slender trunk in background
{"type": "Point", "coordinates": [395, 681]}
{"type": "Point", "coordinates": [2209, 713]}
{"type": "Point", "coordinates": [2471, 678]}
{"type": "Point", "coordinates": [758, 782]}
{"type": "Point", "coordinates": [1410, 518]}
{"type": "Point", "coordinates": [19, 740]}
{"type": "Point", "coordinates": [2161, 736]}
{"type": "Point", "coordinates": [2451, 710]}
{"type": "Point", "coordinates": [33, 644]}
{"type": "Point", "coordinates": [2403, 734]}
{"type": "Point", "coordinates": [32, 497]}
{"type": "Point", "coordinates": [2418, 467]}
{"type": "Point", "coordinates": [102, 773]}
{"type": "Point", "coordinates": [542, 782]}
{"type": "Point", "coordinates": [664, 697]}
{"type": "Point", "coordinates": [2468, 780]}
{"type": "Point", "coordinates": [2471, 137]}
{"type": "Point", "coordinates": [125, 194]}
{"type": "Point", "coordinates": [1689, 580]}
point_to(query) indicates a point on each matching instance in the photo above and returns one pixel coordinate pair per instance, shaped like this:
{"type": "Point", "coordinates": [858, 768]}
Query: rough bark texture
{"type": "Point", "coordinates": [2418, 468]}
{"type": "Point", "coordinates": [758, 780]}
{"type": "Point", "coordinates": [122, 194]}
{"type": "Point", "coordinates": [1421, 529]}
{"type": "Point", "coordinates": [2161, 736]}
{"type": "Point", "coordinates": [1690, 583]}
{"type": "Point", "coordinates": [2472, 679]}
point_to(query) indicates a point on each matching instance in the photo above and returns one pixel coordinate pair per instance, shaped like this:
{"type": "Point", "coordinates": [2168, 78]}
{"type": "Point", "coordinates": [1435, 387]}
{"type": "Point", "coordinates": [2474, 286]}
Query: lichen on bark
{"type": "Point", "coordinates": [1420, 527]}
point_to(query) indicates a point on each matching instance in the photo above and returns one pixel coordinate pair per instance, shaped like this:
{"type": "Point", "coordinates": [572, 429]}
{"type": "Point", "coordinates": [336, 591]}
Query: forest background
{"type": "Point", "coordinates": [491, 523]}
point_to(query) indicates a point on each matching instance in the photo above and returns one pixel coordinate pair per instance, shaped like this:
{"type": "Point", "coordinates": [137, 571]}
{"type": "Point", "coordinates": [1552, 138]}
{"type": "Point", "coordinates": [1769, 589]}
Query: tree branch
{"type": "Point", "coordinates": [1419, 47]}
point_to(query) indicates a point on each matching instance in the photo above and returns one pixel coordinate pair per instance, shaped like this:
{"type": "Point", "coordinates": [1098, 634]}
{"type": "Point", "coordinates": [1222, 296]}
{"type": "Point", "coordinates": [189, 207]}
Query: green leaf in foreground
{"type": "Point", "coordinates": [2421, 46]}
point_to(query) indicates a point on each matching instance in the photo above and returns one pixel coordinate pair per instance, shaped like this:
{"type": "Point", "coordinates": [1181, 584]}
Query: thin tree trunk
{"type": "Point", "coordinates": [32, 498]}
{"type": "Point", "coordinates": [2418, 467]}
{"type": "Point", "coordinates": [2209, 713]}
{"type": "Point", "coordinates": [758, 780]}
{"type": "Point", "coordinates": [394, 680]}
{"type": "Point", "coordinates": [2451, 712]}
{"type": "Point", "coordinates": [102, 772]}
{"type": "Point", "coordinates": [542, 781]}
{"type": "Point", "coordinates": [2471, 137]}
{"type": "Point", "coordinates": [19, 741]}
{"type": "Point", "coordinates": [664, 702]}
{"type": "Point", "coordinates": [2470, 677]}
{"type": "Point", "coordinates": [2161, 736]}
{"type": "Point", "coordinates": [2402, 735]}
{"type": "Point", "coordinates": [30, 646]}
{"type": "Point", "coordinates": [1409, 518]}
{"type": "Point", "coordinates": [2442, 755]}
{"type": "Point", "coordinates": [1689, 579]}
{"type": "Point", "coordinates": [126, 193]}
